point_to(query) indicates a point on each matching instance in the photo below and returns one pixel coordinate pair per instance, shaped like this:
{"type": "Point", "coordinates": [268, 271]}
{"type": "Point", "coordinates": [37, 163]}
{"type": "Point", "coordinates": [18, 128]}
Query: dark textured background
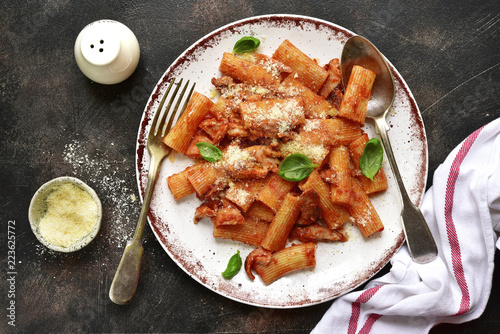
{"type": "Point", "coordinates": [54, 122]}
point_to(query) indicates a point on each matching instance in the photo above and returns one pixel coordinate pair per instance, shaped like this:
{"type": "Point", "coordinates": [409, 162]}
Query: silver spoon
{"type": "Point", "coordinates": [359, 51]}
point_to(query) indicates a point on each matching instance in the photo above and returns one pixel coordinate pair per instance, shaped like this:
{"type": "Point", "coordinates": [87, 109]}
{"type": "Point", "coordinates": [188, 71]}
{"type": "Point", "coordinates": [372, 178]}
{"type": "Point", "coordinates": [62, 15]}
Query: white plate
{"type": "Point", "coordinates": [340, 267]}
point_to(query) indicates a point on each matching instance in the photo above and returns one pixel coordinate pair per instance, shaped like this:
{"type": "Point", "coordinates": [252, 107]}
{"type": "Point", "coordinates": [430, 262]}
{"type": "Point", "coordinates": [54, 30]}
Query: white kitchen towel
{"type": "Point", "coordinates": [462, 209]}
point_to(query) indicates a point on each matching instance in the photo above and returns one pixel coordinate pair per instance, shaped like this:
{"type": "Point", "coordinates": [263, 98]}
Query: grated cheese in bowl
{"type": "Point", "coordinates": [65, 214]}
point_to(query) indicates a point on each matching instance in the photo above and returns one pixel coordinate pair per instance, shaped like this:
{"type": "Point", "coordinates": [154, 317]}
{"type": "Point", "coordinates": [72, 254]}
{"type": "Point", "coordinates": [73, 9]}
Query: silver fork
{"type": "Point", "coordinates": [124, 283]}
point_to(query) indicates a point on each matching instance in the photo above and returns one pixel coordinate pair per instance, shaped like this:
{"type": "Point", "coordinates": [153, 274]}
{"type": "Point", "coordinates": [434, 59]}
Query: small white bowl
{"type": "Point", "coordinates": [38, 208]}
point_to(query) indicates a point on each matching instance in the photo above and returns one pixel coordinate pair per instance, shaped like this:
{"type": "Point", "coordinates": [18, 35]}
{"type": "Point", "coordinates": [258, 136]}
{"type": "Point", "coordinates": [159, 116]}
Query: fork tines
{"type": "Point", "coordinates": [172, 113]}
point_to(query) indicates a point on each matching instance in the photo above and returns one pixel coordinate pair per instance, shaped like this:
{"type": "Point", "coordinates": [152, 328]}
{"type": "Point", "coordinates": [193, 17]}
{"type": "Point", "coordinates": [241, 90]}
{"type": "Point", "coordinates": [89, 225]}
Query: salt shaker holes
{"type": "Point", "coordinates": [101, 42]}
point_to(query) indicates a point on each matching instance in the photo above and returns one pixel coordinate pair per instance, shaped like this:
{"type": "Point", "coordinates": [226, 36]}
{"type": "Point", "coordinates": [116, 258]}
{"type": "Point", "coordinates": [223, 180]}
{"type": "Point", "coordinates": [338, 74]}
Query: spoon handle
{"type": "Point", "coordinates": [419, 238]}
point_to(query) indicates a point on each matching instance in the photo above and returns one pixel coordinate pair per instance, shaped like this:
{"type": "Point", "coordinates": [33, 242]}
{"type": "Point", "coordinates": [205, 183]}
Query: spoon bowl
{"type": "Point", "coordinates": [359, 51]}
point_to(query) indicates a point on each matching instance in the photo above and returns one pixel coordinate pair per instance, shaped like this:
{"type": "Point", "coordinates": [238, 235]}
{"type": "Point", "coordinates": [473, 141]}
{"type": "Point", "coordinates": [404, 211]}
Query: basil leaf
{"type": "Point", "coordinates": [208, 151]}
{"type": "Point", "coordinates": [371, 158]}
{"type": "Point", "coordinates": [296, 167]}
{"type": "Point", "coordinates": [246, 44]}
{"type": "Point", "coordinates": [233, 266]}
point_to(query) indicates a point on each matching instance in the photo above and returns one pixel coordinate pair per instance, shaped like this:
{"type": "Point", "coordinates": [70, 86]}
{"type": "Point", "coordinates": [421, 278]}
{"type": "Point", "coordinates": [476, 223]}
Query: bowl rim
{"type": "Point", "coordinates": [34, 222]}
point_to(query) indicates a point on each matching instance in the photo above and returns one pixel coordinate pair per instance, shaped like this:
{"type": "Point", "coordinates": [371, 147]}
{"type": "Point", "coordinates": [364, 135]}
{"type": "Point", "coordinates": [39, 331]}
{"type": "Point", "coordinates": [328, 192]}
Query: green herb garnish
{"type": "Point", "coordinates": [246, 44]}
{"type": "Point", "coordinates": [208, 151]}
{"type": "Point", "coordinates": [233, 266]}
{"type": "Point", "coordinates": [296, 167]}
{"type": "Point", "coordinates": [371, 158]}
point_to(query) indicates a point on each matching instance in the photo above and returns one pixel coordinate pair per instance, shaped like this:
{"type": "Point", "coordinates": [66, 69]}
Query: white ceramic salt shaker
{"type": "Point", "coordinates": [107, 51]}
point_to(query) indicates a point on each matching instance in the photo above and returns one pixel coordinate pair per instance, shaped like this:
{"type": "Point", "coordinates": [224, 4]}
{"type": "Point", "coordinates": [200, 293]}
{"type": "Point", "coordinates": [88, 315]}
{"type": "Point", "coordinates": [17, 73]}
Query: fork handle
{"type": "Point", "coordinates": [125, 281]}
{"type": "Point", "coordinates": [419, 239]}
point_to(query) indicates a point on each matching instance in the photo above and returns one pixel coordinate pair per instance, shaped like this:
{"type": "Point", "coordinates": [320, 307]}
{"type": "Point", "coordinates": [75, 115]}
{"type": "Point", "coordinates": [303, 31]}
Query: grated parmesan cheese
{"type": "Point", "coordinates": [241, 196]}
{"type": "Point", "coordinates": [71, 215]}
{"type": "Point", "coordinates": [213, 93]}
{"type": "Point", "coordinates": [238, 92]}
{"type": "Point", "coordinates": [314, 152]}
{"type": "Point", "coordinates": [284, 113]}
{"type": "Point", "coordinates": [312, 124]}
{"type": "Point", "coordinates": [271, 67]}
{"type": "Point", "coordinates": [248, 56]}
{"type": "Point", "coordinates": [235, 157]}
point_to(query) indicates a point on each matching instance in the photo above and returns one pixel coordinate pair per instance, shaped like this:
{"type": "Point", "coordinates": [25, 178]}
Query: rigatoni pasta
{"type": "Point", "coordinates": [355, 101]}
{"type": "Point", "coordinates": [179, 184]}
{"type": "Point", "coordinates": [340, 168]}
{"type": "Point", "coordinates": [183, 131]}
{"type": "Point", "coordinates": [246, 71]}
{"type": "Point", "coordinates": [282, 224]}
{"type": "Point", "coordinates": [315, 106]}
{"type": "Point", "coordinates": [287, 260]}
{"type": "Point", "coordinates": [268, 109]}
{"type": "Point", "coordinates": [272, 118]}
{"type": "Point", "coordinates": [304, 68]}
{"type": "Point", "coordinates": [251, 232]}
{"type": "Point", "coordinates": [334, 215]}
{"type": "Point", "coordinates": [363, 212]}
{"type": "Point", "coordinates": [274, 191]}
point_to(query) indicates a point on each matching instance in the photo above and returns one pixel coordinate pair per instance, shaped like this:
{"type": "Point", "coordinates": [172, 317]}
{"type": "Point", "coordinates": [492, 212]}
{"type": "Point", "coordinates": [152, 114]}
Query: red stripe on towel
{"type": "Point", "coordinates": [356, 311]}
{"type": "Point", "coordinates": [369, 323]}
{"type": "Point", "coordinates": [456, 254]}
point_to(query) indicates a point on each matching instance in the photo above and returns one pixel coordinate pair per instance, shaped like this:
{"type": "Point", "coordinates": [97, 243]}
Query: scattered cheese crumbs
{"type": "Point", "coordinates": [213, 93]}
{"type": "Point", "coordinates": [271, 67]}
{"type": "Point", "coordinates": [361, 219]}
{"type": "Point", "coordinates": [241, 195]}
{"type": "Point", "coordinates": [312, 124]}
{"type": "Point", "coordinates": [238, 91]}
{"type": "Point", "coordinates": [235, 157]}
{"type": "Point", "coordinates": [132, 196]}
{"type": "Point", "coordinates": [71, 215]}
{"type": "Point", "coordinates": [248, 56]}
{"type": "Point", "coordinates": [284, 112]}
{"type": "Point", "coordinates": [287, 91]}
{"type": "Point", "coordinates": [259, 90]}
{"type": "Point", "coordinates": [171, 157]}
{"type": "Point", "coordinates": [314, 152]}
{"type": "Point", "coordinates": [332, 112]}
